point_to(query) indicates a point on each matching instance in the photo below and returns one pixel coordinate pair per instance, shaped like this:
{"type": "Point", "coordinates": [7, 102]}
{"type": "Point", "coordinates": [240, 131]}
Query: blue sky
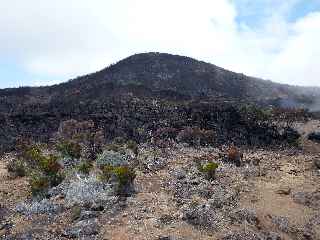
{"type": "Point", "coordinates": [47, 42]}
{"type": "Point", "coordinates": [14, 75]}
{"type": "Point", "coordinates": [254, 12]}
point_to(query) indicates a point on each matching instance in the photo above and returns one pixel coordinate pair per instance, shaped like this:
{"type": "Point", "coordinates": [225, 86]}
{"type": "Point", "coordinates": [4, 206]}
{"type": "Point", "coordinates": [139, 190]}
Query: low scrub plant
{"type": "Point", "coordinates": [123, 176]}
{"type": "Point", "coordinates": [39, 183]}
{"type": "Point", "coordinates": [117, 168]}
{"type": "Point", "coordinates": [43, 170]}
{"type": "Point", "coordinates": [84, 167]}
{"type": "Point", "coordinates": [209, 169]}
{"type": "Point", "coordinates": [69, 149]}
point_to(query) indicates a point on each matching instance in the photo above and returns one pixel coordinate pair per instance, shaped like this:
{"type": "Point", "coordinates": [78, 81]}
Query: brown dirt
{"type": "Point", "coordinates": [139, 220]}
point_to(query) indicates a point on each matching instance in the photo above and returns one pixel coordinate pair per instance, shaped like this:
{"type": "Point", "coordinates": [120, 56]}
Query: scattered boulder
{"type": "Point", "coordinates": [284, 190]}
{"type": "Point", "coordinates": [85, 215]}
{"type": "Point", "coordinates": [165, 219]}
{"type": "Point", "coordinates": [243, 235]}
{"type": "Point", "coordinates": [180, 174]}
{"type": "Point", "coordinates": [282, 223]}
{"type": "Point", "coordinates": [168, 238]}
{"type": "Point", "coordinates": [317, 162]}
{"type": "Point", "coordinates": [154, 164]}
{"type": "Point", "coordinates": [241, 215]}
{"type": "Point", "coordinates": [272, 236]}
{"type": "Point", "coordinates": [223, 197]}
{"type": "Point", "coordinates": [44, 206]}
{"type": "Point", "coordinates": [202, 215]}
{"type": "Point", "coordinates": [310, 199]}
{"type": "Point", "coordinates": [83, 228]}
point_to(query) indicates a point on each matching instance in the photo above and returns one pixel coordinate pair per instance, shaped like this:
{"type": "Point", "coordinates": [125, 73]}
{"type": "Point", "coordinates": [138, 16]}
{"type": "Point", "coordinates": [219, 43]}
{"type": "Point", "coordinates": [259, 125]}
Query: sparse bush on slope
{"type": "Point", "coordinates": [43, 170]}
{"type": "Point", "coordinates": [117, 167]}
{"type": "Point", "coordinates": [209, 169]}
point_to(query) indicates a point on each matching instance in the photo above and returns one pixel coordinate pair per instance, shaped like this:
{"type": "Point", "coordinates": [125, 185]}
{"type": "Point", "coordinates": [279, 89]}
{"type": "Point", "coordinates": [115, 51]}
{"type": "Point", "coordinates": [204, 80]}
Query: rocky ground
{"type": "Point", "coordinates": [273, 195]}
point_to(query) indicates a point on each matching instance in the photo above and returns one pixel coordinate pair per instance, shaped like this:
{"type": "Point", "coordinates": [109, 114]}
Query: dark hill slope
{"type": "Point", "coordinates": [157, 75]}
{"type": "Point", "coordinates": [162, 74]}
{"type": "Point", "coordinates": [121, 98]}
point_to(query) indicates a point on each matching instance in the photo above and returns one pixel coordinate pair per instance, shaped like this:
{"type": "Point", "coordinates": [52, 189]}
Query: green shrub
{"type": "Point", "coordinates": [32, 158]}
{"type": "Point", "coordinates": [209, 169]}
{"type": "Point", "coordinates": [84, 167]}
{"type": "Point", "coordinates": [107, 171]}
{"type": "Point", "coordinates": [69, 149]}
{"type": "Point", "coordinates": [39, 183]}
{"type": "Point", "coordinates": [45, 170]}
{"type": "Point", "coordinates": [124, 176]}
{"type": "Point", "coordinates": [56, 179]}
{"type": "Point", "coordinates": [49, 164]}
{"type": "Point", "coordinates": [117, 165]}
{"type": "Point", "coordinates": [86, 139]}
{"type": "Point", "coordinates": [31, 155]}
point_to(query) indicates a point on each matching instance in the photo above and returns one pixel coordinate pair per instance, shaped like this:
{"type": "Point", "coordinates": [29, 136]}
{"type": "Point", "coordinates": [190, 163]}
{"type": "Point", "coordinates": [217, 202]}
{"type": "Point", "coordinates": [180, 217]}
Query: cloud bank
{"type": "Point", "coordinates": [64, 39]}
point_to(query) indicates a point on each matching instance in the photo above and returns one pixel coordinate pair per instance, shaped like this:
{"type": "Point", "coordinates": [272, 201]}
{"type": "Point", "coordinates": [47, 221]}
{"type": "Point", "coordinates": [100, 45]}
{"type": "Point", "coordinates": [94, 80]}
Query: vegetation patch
{"type": "Point", "coordinates": [69, 149]}
{"type": "Point", "coordinates": [209, 169]}
{"type": "Point", "coordinates": [122, 176]}
{"type": "Point", "coordinates": [84, 167]}
{"type": "Point", "coordinates": [116, 167]}
{"type": "Point", "coordinates": [43, 170]}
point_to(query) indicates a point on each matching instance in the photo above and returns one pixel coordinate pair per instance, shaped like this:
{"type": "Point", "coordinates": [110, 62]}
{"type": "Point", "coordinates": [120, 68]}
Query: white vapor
{"type": "Point", "coordinates": [69, 38]}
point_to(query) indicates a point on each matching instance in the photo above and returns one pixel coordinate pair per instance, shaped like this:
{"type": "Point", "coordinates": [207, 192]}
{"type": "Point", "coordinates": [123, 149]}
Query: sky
{"type": "Point", "coordinates": [43, 42]}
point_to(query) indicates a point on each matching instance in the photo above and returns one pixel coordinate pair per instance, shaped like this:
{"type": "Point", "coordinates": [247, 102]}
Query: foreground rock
{"type": "Point", "coordinates": [83, 228]}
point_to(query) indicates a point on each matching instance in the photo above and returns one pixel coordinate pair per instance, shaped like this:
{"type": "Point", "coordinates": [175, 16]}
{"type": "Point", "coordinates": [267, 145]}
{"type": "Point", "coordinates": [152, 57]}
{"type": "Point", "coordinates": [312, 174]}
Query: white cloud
{"type": "Point", "coordinates": [69, 38]}
{"type": "Point", "coordinates": [298, 62]}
